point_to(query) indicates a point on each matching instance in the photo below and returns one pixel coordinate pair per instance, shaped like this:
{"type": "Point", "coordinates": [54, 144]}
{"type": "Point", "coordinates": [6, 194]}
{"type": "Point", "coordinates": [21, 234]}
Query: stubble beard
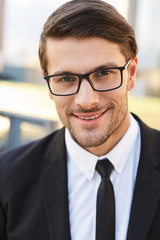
{"type": "Point", "coordinates": [91, 136]}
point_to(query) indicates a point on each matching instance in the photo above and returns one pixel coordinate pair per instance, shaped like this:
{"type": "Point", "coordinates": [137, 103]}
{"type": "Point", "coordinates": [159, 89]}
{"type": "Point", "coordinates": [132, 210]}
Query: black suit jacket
{"type": "Point", "coordinates": [34, 194]}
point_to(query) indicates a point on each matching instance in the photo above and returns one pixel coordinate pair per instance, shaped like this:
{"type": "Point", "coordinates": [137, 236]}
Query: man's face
{"type": "Point", "coordinates": [96, 120]}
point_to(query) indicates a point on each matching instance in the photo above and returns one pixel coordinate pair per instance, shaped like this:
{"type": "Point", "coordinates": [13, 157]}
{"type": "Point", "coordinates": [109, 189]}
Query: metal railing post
{"type": "Point", "coordinates": [14, 133]}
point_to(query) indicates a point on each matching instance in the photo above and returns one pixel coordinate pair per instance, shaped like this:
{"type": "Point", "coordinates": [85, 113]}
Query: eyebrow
{"type": "Point", "coordinates": [108, 65]}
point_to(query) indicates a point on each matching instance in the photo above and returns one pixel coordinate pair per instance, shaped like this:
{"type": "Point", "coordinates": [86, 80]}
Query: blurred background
{"type": "Point", "coordinates": [26, 112]}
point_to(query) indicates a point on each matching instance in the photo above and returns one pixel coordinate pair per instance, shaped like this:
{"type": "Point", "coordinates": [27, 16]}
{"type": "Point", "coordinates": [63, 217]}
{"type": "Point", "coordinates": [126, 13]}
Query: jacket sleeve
{"type": "Point", "coordinates": [3, 225]}
{"type": "Point", "coordinates": [3, 216]}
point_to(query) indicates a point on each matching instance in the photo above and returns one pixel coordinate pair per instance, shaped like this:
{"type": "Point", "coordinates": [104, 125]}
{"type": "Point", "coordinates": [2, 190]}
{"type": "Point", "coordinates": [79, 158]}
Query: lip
{"type": "Point", "coordinates": [89, 119]}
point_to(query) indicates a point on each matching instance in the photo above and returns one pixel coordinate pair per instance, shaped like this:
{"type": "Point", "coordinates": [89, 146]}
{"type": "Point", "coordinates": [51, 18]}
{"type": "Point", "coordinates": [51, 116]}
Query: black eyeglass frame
{"type": "Point", "coordinates": [86, 76]}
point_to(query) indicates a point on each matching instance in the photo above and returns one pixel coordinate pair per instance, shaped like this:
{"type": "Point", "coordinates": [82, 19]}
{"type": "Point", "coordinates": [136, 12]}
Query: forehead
{"type": "Point", "coordinates": [81, 55]}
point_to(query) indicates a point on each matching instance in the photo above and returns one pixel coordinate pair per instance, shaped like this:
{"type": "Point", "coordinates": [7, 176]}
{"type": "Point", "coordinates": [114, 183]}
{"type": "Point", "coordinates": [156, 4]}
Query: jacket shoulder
{"type": "Point", "coordinates": [21, 152]}
{"type": "Point", "coordinates": [26, 158]}
{"type": "Point", "coordinates": [150, 144]}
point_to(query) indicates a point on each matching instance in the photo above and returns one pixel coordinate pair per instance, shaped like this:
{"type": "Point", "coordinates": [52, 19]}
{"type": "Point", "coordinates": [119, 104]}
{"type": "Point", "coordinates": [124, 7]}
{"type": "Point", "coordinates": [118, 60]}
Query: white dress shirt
{"type": "Point", "coordinates": [84, 180]}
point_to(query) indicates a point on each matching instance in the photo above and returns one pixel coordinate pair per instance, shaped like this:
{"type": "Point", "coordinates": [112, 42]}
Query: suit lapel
{"type": "Point", "coordinates": [146, 193]}
{"type": "Point", "coordinates": [145, 200]}
{"type": "Point", "coordinates": [55, 189]}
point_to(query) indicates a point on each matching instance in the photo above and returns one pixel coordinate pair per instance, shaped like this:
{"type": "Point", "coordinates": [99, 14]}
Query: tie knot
{"type": "Point", "coordinates": [104, 168]}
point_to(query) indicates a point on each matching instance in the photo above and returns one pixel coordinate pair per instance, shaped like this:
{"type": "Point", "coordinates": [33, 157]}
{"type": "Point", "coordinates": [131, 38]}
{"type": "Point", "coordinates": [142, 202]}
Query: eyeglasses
{"type": "Point", "coordinates": [103, 80]}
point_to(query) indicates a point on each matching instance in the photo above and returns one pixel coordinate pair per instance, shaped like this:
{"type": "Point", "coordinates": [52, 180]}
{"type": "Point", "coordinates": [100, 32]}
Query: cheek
{"type": "Point", "coordinates": [117, 95]}
{"type": "Point", "coordinates": [62, 103]}
{"type": "Point", "coordinates": [125, 80]}
{"type": "Point", "coordinates": [119, 98]}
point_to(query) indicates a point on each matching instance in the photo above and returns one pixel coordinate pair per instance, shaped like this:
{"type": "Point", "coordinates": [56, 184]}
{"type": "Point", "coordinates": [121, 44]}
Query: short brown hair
{"type": "Point", "coordinates": [88, 18]}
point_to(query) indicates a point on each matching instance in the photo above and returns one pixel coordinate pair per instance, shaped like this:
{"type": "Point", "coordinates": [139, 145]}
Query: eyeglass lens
{"type": "Point", "coordinates": [102, 80]}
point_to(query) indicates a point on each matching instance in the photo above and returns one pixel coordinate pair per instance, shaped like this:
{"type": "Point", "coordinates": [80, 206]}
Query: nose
{"type": "Point", "coordinates": [86, 97]}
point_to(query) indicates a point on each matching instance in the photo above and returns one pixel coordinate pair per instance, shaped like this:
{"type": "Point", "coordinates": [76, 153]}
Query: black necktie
{"type": "Point", "coordinates": [105, 219]}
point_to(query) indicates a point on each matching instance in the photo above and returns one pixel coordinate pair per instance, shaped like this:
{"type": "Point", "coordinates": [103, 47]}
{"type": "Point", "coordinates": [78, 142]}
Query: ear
{"type": "Point", "coordinates": [132, 73]}
{"type": "Point", "coordinates": [42, 71]}
{"type": "Point", "coordinates": [50, 95]}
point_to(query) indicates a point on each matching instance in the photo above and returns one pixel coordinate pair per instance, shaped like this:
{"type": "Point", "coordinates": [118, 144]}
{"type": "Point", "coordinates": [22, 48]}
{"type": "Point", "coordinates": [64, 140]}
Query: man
{"type": "Point", "coordinates": [49, 189]}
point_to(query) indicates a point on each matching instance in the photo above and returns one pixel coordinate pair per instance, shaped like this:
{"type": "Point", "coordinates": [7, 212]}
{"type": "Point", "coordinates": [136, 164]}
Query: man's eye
{"type": "Point", "coordinates": [103, 73]}
{"type": "Point", "coordinates": [67, 79]}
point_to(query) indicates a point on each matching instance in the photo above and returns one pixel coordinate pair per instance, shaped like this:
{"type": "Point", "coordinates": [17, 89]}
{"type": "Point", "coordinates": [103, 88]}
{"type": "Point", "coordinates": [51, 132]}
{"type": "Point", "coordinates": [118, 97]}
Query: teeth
{"type": "Point", "coordinates": [90, 118]}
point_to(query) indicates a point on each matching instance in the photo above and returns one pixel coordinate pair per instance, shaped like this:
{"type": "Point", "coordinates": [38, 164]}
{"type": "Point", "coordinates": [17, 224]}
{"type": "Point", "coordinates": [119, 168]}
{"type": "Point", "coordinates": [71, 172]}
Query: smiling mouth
{"type": "Point", "coordinates": [90, 118]}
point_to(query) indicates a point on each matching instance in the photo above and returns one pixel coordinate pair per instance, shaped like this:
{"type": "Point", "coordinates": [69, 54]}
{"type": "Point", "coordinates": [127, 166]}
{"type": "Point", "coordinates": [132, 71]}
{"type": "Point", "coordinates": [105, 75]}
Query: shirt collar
{"type": "Point", "coordinates": [86, 161]}
{"type": "Point", "coordinates": [119, 154]}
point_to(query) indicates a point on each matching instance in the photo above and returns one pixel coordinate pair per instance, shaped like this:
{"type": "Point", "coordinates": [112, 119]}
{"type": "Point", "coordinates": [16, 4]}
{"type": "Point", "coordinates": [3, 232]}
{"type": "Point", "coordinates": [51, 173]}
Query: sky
{"type": "Point", "coordinates": [23, 24]}
{"type": "Point", "coordinates": [24, 20]}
